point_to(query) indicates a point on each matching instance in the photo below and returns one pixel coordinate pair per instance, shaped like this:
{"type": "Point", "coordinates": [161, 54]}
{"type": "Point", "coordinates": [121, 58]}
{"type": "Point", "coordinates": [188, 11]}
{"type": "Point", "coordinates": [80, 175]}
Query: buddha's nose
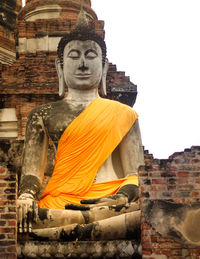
{"type": "Point", "coordinates": [83, 65]}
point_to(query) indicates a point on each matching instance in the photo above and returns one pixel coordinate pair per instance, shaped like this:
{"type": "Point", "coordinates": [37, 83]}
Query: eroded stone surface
{"type": "Point", "coordinates": [174, 220]}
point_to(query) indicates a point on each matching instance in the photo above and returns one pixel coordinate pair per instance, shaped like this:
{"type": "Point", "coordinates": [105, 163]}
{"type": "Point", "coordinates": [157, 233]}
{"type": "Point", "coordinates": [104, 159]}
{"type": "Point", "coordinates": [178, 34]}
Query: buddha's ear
{"type": "Point", "coordinates": [60, 78]}
{"type": "Point", "coordinates": [103, 79]}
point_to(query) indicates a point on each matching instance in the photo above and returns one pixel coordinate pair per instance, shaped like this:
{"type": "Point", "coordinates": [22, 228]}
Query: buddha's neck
{"type": "Point", "coordinates": [81, 96]}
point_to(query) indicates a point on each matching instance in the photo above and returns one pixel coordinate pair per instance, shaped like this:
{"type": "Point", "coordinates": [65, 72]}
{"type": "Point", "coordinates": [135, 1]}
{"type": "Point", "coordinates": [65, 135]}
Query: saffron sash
{"type": "Point", "coordinates": [82, 149]}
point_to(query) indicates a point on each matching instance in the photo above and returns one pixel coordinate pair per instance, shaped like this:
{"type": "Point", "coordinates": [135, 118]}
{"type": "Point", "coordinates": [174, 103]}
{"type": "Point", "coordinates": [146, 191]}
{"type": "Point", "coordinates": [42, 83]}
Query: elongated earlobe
{"type": "Point", "coordinates": [60, 78]}
{"type": "Point", "coordinates": [103, 79]}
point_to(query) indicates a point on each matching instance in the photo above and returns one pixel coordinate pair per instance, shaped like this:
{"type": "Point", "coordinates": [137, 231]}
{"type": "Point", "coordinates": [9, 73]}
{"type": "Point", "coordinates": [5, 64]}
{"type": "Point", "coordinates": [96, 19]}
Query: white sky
{"type": "Point", "coordinates": [157, 44]}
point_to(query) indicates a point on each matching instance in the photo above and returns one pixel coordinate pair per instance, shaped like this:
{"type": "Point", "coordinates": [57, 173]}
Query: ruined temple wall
{"type": "Point", "coordinates": [8, 14]}
{"type": "Point", "coordinates": [8, 218]}
{"type": "Point", "coordinates": [178, 180]}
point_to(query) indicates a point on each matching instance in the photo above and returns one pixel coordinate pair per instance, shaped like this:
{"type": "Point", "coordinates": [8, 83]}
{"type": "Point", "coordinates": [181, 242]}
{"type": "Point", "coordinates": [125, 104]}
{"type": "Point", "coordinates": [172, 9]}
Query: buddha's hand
{"type": "Point", "coordinates": [26, 207]}
{"type": "Point", "coordinates": [116, 199]}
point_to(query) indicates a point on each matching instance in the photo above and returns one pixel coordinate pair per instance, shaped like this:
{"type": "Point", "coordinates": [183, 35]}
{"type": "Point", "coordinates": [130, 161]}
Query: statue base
{"type": "Point", "coordinates": [79, 249]}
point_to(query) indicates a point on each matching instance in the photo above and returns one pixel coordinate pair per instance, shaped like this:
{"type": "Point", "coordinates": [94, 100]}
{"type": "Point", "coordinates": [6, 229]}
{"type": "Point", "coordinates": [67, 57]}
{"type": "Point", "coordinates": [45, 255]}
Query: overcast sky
{"type": "Point", "coordinates": [157, 44]}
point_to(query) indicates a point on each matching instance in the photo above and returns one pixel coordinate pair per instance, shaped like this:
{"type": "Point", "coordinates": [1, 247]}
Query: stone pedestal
{"type": "Point", "coordinates": [79, 249]}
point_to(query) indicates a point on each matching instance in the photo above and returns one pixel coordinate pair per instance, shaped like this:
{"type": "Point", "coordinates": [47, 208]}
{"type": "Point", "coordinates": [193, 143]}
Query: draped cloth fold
{"type": "Point", "coordinates": [82, 149]}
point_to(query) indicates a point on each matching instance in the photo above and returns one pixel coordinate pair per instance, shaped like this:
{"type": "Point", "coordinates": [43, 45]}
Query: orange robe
{"type": "Point", "coordinates": [82, 149]}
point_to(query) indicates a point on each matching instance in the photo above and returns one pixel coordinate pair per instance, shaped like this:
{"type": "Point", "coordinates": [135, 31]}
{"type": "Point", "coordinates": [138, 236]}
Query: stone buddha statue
{"type": "Point", "coordinates": [94, 186]}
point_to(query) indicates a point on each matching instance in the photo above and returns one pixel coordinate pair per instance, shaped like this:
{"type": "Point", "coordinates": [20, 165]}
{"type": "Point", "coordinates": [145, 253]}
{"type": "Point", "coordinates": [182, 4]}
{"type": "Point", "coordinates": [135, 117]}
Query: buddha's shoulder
{"type": "Point", "coordinates": [55, 108]}
{"type": "Point", "coordinates": [117, 104]}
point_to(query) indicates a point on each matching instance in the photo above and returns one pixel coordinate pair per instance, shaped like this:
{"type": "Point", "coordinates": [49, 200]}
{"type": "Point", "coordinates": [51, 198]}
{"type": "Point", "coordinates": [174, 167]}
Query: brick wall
{"type": "Point", "coordinates": [176, 179]}
{"type": "Point", "coordinates": [8, 220]}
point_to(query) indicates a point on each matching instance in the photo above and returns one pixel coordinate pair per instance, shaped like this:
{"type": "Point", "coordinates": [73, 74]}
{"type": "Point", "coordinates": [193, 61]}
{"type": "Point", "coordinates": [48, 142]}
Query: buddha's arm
{"type": "Point", "coordinates": [131, 150]}
{"type": "Point", "coordinates": [132, 156]}
{"type": "Point", "coordinates": [34, 159]}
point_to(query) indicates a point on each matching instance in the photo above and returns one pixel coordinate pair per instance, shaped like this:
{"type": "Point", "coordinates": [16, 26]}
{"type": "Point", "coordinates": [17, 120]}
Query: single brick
{"type": "Point", "coordinates": [7, 243]}
{"type": "Point", "coordinates": [12, 249]}
{"type": "Point", "coordinates": [3, 185]}
{"type": "Point", "coordinates": [10, 190]}
{"type": "Point", "coordinates": [12, 209]}
{"type": "Point", "coordinates": [8, 216]}
{"type": "Point", "coordinates": [8, 256]}
{"type": "Point", "coordinates": [146, 251]}
{"type": "Point", "coordinates": [183, 174]}
{"type": "Point", "coordinates": [7, 230]}
{"type": "Point", "coordinates": [2, 170]}
{"type": "Point", "coordinates": [11, 197]}
{"type": "Point", "coordinates": [3, 249]}
{"type": "Point", "coordinates": [159, 181]}
{"type": "Point", "coordinates": [12, 223]}
{"type": "Point", "coordinates": [2, 236]}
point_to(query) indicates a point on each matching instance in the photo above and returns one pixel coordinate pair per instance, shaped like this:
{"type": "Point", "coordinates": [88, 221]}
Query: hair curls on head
{"type": "Point", "coordinates": [82, 34]}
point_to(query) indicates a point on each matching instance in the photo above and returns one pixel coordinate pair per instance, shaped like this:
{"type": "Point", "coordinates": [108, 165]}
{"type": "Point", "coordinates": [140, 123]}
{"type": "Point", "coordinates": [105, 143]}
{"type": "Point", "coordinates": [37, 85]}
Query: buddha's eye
{"type": "Point", "coordinates": [90, 54]}
{"type": "Point", "coordinates": [74, 54]}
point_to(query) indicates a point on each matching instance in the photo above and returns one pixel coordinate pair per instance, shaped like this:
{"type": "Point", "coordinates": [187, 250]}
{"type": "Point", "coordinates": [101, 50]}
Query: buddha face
{"type": "Point", "coordinates": [82, 64]}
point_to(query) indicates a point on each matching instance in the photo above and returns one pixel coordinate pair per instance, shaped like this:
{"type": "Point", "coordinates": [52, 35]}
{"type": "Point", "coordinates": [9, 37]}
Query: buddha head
{"type": "Point", "coordinates": [82, 62]}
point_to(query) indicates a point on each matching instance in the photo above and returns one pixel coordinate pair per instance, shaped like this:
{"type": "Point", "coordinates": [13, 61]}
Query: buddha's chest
{"type": "Point", "coordinates": [58, 121]}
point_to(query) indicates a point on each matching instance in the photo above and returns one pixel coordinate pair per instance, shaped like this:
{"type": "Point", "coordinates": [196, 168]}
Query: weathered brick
{"type": "Point", "coordinates": [182, 180]}
{"type": "Point", "coordinates": [2, 236]}
{"type": "Point", "coordinates": [147, 252]}
{"type": "Point", "coordinates": [187, 187]}
{"type": "Point", "coordinates": [12, 209]}
{"type": "Point", "coordinates": [167, 194]}
{"type": "Point", "coordinates": [183, 194]}
{"type": "Point", "coordinates": [158, 187]}
{"type": "Point", "coordinates": [3, 250]}
{"type": "Point", "coordinates": [159, 181]}
{"type": "Point", "coordinates": [7, 230]}
{"type": "Point", "coordinates": [7, 243]}
{"type": "Point", "coordinates": [172, 181]}
{"type": "Point", "coordinates": [177, 252]}
{"type": "Point", "coordinates": [8, 216]}
{"type": "Point", "coordinates": [145, 226]}
{"type": "Point", "coordinates": [12, 249]}
{"type": "Point", "coordinates": [183, 174]}
{"type": "Point", "coordinates": [11, 236]}
{"type": "Point", "coordinates": [195, 194]}
{"type": "Point", "coordinates": [10, 190]}
{"type": "Point", "coordinates": [3, 185]}
{"type": "Point", "coordinates": [12, 223]}
{"type": "Point", "coordinates": [171, 187]}
{"type": "Point", "coordinates": [11, 197]}
{"type": "Point", "coordinates": [2, 170]}
{"type": "Point", "coordinates": [8, 256]}
{"type": "Point", "coordinates": [146, 245]}
{"type": "Point", "coordinates": [145, 194]}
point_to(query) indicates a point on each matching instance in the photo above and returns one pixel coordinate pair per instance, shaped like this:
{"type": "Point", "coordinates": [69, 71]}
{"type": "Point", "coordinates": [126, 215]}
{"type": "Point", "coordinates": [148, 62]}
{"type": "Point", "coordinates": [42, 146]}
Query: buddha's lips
{"type": "Point", "coordinates": [82, 76]}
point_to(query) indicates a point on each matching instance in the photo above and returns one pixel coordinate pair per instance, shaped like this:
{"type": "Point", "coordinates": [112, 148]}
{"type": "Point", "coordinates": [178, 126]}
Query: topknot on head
{"type": "Point", "coordinates": [82, 21]}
